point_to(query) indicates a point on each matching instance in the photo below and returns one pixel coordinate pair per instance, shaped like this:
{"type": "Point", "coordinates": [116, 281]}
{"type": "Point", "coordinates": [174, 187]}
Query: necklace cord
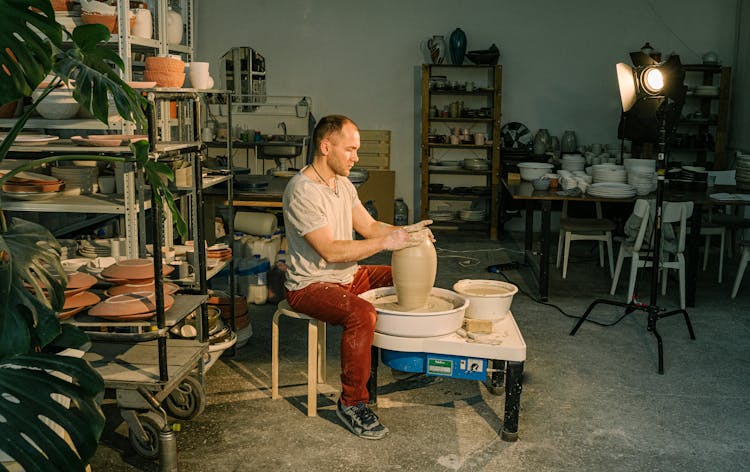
{"type": "Point", "coordinates": [335, 184]}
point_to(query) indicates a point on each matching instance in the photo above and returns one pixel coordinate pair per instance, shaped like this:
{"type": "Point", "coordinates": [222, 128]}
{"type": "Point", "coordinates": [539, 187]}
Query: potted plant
{"type": "Point", "coordinates": [35, 381]}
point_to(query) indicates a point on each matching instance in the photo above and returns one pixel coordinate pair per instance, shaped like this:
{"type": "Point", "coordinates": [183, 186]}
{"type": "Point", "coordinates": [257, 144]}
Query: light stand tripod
{"type": "Point", "coordinates": [655, 313]}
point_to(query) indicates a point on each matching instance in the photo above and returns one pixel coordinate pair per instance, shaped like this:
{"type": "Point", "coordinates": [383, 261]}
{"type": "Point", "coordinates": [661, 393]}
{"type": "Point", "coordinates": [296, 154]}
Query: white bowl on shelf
{"type": "Point", "coordinates": [58, 105]}
{"type": "Point", "coordinates": [533, 170]}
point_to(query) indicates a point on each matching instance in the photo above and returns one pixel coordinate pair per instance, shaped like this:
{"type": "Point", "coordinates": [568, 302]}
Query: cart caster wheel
{"type": "Point", "coordinates": [147, 447]}
{"type": "Point", "coordinates": [187, 400]}
{"type": "Point", "coordinates": [495, 382]}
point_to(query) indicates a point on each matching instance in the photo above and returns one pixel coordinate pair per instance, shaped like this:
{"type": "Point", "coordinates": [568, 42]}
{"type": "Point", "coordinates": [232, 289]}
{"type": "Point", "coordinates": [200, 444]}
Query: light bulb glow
{"type": "Point", "coordinates": [653, 80]}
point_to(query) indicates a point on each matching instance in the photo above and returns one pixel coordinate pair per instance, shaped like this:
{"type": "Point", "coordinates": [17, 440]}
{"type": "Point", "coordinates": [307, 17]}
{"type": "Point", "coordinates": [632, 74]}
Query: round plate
{"type": "Point", "coordinates": [515, 135]}
{"type": "Point", "coordinates": [32, 139]}
{"type": "Point", "coordinates": [30, 195]}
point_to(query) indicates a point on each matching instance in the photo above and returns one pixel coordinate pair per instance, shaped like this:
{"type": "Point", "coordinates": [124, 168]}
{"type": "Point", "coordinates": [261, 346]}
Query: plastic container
{"type": "Point", "coordinates": [400, 213]}
{"type": "Point", "coordinates": [257, 281]}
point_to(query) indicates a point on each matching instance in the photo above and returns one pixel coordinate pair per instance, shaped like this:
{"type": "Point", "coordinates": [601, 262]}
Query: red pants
{"type": "Point", "coordinates": [339, 304]}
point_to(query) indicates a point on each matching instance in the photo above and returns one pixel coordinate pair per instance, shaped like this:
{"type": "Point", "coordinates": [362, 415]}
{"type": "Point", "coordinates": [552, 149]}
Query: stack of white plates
{"type": "Point", "coordinates": [611, 190]}
{"type": "Point", "coordinates": [706, 90]}
{"type": "Point", "coordinates": [471, 215]}
{"type": "Point", "coordinates": [442, 215]}
{"type": "Point", "coordinates": [609, 173]}
{"type": "Point", "coordinates": [742, 174]}
{"type": "Point", "coordinates": [573, 162]}
{"type": "Point", "coordinates": [643, 181]}
{"type": "Point", "coordinates": [648, 165]}
{"type": "Point", "coordinates": [77, 180]}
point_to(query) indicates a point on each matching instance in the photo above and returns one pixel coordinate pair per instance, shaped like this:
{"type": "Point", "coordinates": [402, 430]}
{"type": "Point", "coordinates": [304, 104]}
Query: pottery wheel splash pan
{"type": "Point", "coordinates": [443, 315]}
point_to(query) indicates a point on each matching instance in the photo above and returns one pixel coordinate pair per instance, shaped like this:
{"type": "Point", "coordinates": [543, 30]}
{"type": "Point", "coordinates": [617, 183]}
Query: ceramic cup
{"type": "Point", "coordinates": [455, 139]}
{"type": "Point", "coordinates": [207, 134]}
{"type": "Point", "coordinates": [479, 139]}
{"type": "Point", "coordinates": [106, 184]}
{"type": "Point", "coordinates": [199, 77]}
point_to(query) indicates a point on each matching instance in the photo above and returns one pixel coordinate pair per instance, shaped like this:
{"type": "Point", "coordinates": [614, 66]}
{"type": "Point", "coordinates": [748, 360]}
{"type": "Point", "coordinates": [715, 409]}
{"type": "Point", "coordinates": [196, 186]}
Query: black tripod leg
{"type": "Point", "coordinates": [652, 318]}
{"type": "Point", "coordinates": [684, 314]}
{"type": "Point", "coordinates": [627, 306]}
{"type": "Point", "coordinates": [512, 401]}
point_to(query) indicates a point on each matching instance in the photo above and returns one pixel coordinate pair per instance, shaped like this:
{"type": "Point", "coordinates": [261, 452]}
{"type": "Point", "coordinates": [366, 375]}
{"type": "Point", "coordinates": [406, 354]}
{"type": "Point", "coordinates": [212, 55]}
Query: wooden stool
{"type": "Point", "coordinates": [316, 354]}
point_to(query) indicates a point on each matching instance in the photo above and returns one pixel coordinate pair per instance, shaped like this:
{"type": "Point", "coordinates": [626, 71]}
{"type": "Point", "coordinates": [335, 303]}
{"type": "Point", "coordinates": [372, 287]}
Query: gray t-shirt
{"type": "Point", "coordinates": [308, 205]}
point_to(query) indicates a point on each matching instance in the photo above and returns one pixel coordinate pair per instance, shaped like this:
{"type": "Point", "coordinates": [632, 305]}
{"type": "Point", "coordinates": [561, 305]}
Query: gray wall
{"type": "Point", "coordinates": [361, 58]}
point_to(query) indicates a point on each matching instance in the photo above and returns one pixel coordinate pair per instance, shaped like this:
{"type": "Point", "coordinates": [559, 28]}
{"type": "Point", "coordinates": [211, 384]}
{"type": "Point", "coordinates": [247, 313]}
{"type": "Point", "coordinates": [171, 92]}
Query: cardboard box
{"type": "Point", "coordinates": [380, 187]}
{"type": "Point", "coordinates": [375, 149]}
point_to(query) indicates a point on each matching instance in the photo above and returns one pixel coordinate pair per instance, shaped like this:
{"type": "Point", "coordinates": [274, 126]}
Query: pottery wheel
{"type": "Point", "coordinates": [435, 304]}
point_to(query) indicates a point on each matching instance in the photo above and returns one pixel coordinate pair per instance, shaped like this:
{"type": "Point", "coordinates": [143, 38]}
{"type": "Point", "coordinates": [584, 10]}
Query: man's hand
{"type": "Point", "coordinates": [397, 239]}
{"type": "Point", "coordinates": [420, 229]}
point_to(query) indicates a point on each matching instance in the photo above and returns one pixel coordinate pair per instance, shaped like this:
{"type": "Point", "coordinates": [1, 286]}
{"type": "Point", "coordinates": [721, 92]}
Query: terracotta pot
{"type": "Point", "coordinates": [110, 21]}
{"type": "Point", "coordinates": [165, 79]}
{"type": "Point", "coordinates": [164, 64]}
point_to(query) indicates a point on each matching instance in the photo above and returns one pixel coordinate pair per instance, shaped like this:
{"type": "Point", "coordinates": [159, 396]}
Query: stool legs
{"type": "Point", "coordinates": [312, 368]}
{"type": "Point", "coordinates": [275, 356]}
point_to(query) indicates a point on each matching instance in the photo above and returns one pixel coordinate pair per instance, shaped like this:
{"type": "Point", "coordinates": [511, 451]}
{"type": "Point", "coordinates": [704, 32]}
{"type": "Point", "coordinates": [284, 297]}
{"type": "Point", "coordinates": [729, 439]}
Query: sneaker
{"type": "Point", "coordinates": [361, 421]}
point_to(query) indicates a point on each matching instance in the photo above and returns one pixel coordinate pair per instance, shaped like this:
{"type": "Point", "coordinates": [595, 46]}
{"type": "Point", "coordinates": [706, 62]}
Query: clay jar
{"type": "Point", "coordinates": [414, 269]}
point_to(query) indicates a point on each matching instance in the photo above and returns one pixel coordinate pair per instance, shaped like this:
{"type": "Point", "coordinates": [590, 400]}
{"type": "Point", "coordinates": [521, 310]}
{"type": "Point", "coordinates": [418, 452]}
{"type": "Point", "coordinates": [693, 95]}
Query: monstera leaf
{"type": "Point", "coordinates": [43, 396]}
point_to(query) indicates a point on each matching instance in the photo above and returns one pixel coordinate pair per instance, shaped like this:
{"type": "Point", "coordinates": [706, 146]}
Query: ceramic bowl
{"type": "Point", "coordinates": [110, 21]}
{"type": "Point", "coordinates": [133, 269]}
{"type": "Point", "coordinates": [169, 288]}
{"type": "Point", "coordinates": [128, 304]}
{"type": "Point", "coordinates": [542, 183]}
{"type": "Point", "coordinates": [164, 64]}
{"type": "Point", "coordinates": [533, 170]}
{"type": "Point", "coordinates": [489, 299]}
{"type": "Point", "coordinates": [165, 79]}
{"type": "Point", "coordinates": [58, 105]}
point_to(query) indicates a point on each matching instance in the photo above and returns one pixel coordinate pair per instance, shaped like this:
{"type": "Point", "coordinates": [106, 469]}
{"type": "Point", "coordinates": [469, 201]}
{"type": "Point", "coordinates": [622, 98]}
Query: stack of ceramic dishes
{"type": "Point", "coordinates": [573, 162]}
{"type": "Point", "coordinates": [221, 252]}
{"type": "Point", "coordinates": [471, 215]}
{"type": "Point", "coordinates": [78, 180]}
{"type": "Point", "coordinates": [129, 306]}
{"type": "Point", "coordinates": [742, 174]}
{"type": "Point", "coordinates": [476, 164]}
{"type": "Point", "coordinates": [611, 190]}
{"type": "Point", "coordinates": [643, 181]}
{"type": "Point", "coordinates": [77, 296]}
{"type": "Point", "coordinates": [95, 248]}
{"type": "Point", "coordinates": [32, 186]}
{"type": "Point", "coordinates": [706, 90]}
{"type": "Point", "coordinates": [133, 287]}
{"type": "Point", "coordinates": [132, 271]}
{"type": "Point", "coordinates": [442, 215]}
{"type": "Point", "coordinates": [608, 173]}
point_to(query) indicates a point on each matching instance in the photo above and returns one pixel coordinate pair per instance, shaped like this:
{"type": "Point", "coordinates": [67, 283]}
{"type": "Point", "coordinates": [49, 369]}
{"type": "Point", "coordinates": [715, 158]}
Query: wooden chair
{"type": "Point", "coordinates": [673, 213]}
{"type": "Point", "coordinates": [741, 269]}
{"type": "Point", "coordinates": [584, 229]}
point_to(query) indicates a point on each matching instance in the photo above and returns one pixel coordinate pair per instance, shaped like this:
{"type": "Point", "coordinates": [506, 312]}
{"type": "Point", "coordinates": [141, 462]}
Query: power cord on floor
{"type": "Point", "coordinates": [495, 269]}
{"type": "Point", "coordinates": [468, 261]}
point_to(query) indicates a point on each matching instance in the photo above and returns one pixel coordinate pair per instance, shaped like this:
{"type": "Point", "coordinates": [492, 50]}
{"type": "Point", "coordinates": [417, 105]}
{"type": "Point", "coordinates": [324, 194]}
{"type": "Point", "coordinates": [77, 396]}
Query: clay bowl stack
{"type": "Point", "coordinates": [77, 295]}
{"type": "Point", "coordinates": [135, 306]}
{"type": "Point", "coordinates": [220, 252]}
{"type": "Point", "coordinates": [165, 71]}
{"type": "Point", "coordinates": [132, 271]}
{"type": "Point", "coordinates": [30, 183]}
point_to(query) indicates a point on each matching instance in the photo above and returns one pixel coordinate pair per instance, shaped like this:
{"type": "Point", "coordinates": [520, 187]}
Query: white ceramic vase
{"type": "Point", "coordinates": [144, 25]}
{"type": "Point", "coordinates": [414, 270]}
{"type": "Point", "coordinates": [174, 27]}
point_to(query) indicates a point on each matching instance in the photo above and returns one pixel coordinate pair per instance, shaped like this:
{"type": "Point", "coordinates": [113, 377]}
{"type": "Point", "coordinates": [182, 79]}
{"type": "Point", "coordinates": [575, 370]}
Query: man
{"type": "Point", "coordinates": [321, 208]}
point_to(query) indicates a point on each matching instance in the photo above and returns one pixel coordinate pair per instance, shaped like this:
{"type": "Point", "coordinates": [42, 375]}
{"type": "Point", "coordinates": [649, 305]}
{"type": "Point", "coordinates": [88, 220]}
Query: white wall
{"type": "Point", "coordinates": [361, 58]}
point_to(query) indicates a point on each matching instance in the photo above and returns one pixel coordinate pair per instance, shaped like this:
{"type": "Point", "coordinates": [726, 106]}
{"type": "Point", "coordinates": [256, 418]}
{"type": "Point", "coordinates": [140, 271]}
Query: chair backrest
{"type": "Point", "coordinates": [642, 210]}
{"type": "Point", "coordinates": [678, 212]}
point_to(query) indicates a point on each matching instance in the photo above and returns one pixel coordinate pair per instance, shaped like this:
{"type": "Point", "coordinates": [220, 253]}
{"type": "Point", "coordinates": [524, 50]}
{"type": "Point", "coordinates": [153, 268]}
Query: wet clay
{"type": "Point", "coordinates": [434, 305]}
{"type": "Point", "coordinates": [485, 290]}
{"type": "Point", "coordinates": [414, 270]}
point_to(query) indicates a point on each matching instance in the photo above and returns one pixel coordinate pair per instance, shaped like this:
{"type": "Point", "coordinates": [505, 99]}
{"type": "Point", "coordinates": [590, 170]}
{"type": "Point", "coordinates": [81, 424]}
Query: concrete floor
{"type": "Point", "coordinates": [590, 402]}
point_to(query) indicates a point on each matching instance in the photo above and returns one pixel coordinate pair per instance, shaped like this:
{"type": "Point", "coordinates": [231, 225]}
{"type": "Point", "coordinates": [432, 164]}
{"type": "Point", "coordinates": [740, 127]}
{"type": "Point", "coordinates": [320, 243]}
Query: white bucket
{"type": "Point", "coordinates": [489, 299]}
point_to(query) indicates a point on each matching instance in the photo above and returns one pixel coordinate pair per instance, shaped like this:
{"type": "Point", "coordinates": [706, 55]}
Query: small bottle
{"type": "Point", "coordinates": [400, 213]}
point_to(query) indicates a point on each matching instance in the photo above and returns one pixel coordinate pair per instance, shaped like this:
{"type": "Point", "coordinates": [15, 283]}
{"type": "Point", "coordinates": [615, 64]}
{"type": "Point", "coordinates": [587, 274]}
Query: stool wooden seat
{"type": "Point", "coordinates": [316, 354]}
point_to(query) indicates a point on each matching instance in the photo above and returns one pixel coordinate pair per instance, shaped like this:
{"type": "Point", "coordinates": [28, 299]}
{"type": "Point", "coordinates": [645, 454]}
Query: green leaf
{"type": "Point", "coordinates": [27, 390]}
{"type": "Point", "coordinates": [27, 38]}
{"type": "Point", "coordinates": [27, 315]}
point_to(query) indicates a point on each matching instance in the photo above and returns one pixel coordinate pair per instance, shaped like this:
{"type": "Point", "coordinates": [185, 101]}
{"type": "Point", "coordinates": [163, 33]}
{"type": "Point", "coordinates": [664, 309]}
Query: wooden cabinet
{"type": "Point", "coordinates": [702, 131]}
{"type": "Point", "coordinates": [461, 100]}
